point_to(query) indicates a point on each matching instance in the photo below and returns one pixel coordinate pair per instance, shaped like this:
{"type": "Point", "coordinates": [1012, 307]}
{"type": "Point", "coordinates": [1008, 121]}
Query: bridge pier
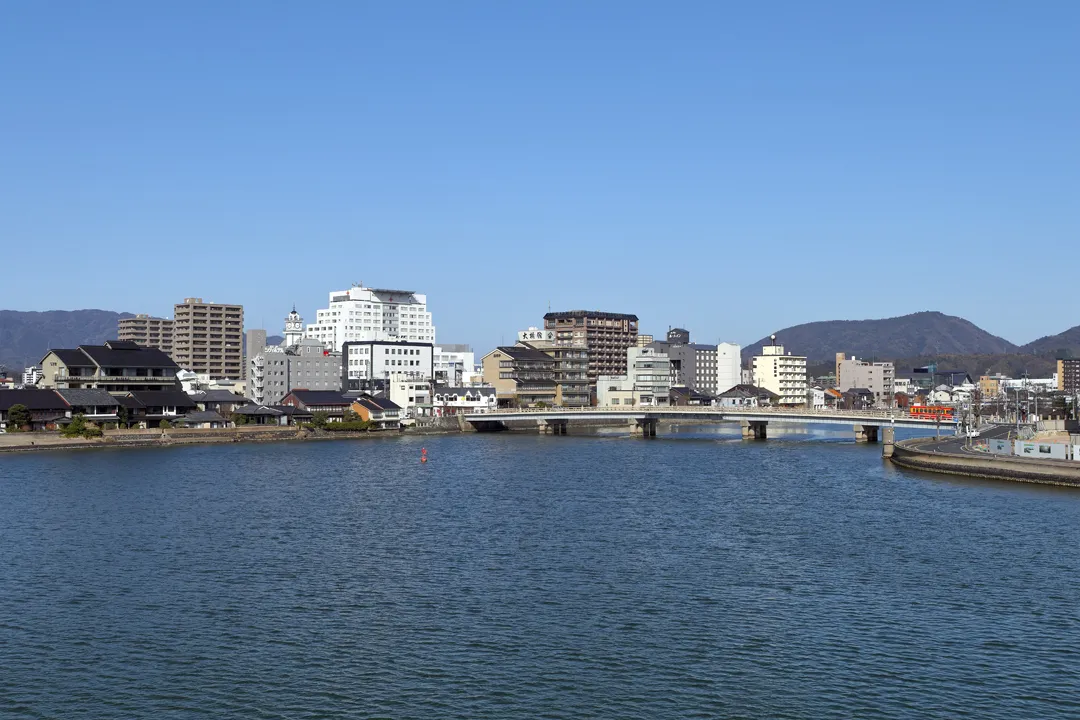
{"type": "Point", "coordinates": [889, 437]}
{"type": "Point", "coordinates": [866, 433]}
{"type": "Point", "coordinates": [645, 428]}
{"type": "Point", "coordinates": [754, 429]}
{"type": "Point", "coordinates": [551, 427]}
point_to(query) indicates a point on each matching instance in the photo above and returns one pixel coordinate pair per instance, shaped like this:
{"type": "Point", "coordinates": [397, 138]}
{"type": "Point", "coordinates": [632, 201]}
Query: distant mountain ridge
{"type": "Point", "coordinates": [25, 337]}
{"type": "Point", "coordinates": [917, 335]}
{"type": "Point", "coordinates": [1051, 346]}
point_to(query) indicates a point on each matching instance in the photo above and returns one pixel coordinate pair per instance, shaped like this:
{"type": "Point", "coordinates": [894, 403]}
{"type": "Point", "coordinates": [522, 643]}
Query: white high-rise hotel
{"type": "Point", "coordinates": [371, 314]}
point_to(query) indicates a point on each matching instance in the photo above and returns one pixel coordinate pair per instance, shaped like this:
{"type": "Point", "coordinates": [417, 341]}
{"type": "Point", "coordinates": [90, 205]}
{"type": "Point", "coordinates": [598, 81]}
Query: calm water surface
{"type": "Point", "coordinates": [531, 577]}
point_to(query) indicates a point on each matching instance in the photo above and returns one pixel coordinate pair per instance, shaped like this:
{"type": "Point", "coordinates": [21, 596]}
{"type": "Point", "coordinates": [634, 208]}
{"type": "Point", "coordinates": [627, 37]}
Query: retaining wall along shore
{"type": "Point", "coordinates": [916, 454]}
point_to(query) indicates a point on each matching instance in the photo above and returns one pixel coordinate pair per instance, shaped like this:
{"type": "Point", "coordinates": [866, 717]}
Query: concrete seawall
{"type": "Point", "coordinates": [29, 442]}
{"type": "Point", "coordinates": [912, 454]}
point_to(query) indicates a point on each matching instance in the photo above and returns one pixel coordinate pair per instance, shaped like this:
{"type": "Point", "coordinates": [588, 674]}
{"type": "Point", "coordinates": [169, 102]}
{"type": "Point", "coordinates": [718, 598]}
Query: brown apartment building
{"type": "Point", "coordinates": [1068, 372]}
{"type": "Point", "coordinates": [148, 332]}
{"type": "Point", "coordinates": [208, 338]}
{"type": "Point", "coordinates": [605, 335]}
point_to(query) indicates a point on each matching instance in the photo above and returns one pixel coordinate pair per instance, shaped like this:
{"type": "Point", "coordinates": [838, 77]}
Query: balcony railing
{"type": "Point", "coordinates": [116, 378]}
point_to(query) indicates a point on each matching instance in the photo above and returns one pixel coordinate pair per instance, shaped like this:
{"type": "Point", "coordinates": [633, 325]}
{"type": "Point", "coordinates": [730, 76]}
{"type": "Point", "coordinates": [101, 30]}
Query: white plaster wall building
{"type": "Point", "coordinates": [362, 314]}
{"type": "Point", "coordinates": [728, 366]}
{"type": "Point", "coordinates": [463, 401]}
{"type": "Point", "coordinates": [411, 394]}
{"type": "Point", "coordinates": [781, 373]}
{"type": "Point", "coordinates": [454, 365]}
{"type": "Point", "coordinates": [379, 359]}
{"type": "Point", "coordinates": [647, 382]}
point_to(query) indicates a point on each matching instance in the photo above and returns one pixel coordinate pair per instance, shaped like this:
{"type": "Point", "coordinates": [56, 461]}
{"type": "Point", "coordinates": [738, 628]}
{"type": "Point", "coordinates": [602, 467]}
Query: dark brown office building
{"type": "Point", "coordinates": [606, 336]}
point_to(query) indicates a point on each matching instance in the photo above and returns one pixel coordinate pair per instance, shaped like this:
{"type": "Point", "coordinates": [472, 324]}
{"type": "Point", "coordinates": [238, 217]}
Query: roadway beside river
{"type": "Point", "coordinates": [953, 456]}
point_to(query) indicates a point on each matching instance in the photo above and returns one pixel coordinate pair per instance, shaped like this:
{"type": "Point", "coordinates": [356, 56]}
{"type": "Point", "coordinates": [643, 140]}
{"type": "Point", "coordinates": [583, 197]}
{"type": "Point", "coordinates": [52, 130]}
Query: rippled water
{"type": "Point", "coordinates": [524, 576]}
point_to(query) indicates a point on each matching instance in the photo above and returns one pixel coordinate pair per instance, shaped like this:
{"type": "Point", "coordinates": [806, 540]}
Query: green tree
{"type": "Point", "coordinates": [349, 416]}
{"type": "Point", "coordinates": [320, 419]}
{"type": "Point", "coordinates": [239, 419]}
{"type": "Point", "coordinates": [165, 425]}
{"type": "Point", "coordinates": [122, 414]}
{"type": "Point", "coordinates": [19, 416]}
{"type": "Point", "coordinates": [75, 428]}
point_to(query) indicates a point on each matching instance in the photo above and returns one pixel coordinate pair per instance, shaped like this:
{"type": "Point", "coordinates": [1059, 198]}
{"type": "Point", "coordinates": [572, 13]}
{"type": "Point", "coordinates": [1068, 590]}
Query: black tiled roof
{"type": "Point", "coordinates": [163, 398]}
{"type": "Point", "coordinates": [88, 397]}
{"type": "Point", "coordinates": [255, 410]}
{"type": "Point", "coordinates": [32, 399]}
{"type": "Point", "coordinates": [320, 397]}
{"type": "Point", "coordinates": [201, 416]}
{"type": "Point", "coordinates": [525, 353]}
{"type": "Point", "coordinates": [377, 404]}
{"type": "Point", "coordinates": [73, 358]}
{"type": "Point", "coordinates": [218, 396]}
{"type": "Point", "coordinates": [129, 358]}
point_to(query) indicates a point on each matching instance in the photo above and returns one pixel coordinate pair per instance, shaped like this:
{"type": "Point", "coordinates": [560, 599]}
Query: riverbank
{"type": "Point", "coordinates": [918, 454]}
{"type": "Point", "coordinates": [31, 442]}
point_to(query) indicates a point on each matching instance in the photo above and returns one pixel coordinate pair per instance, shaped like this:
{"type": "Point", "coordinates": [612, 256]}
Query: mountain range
{"type": "Point", "coordinates": [25, 337]}
{"type": "Point", "coordinates": [909, 340]}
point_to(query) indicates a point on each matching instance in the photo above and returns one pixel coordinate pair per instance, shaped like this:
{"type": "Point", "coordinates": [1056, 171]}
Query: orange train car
{"type": "Point", "coordinates": [931, 412]}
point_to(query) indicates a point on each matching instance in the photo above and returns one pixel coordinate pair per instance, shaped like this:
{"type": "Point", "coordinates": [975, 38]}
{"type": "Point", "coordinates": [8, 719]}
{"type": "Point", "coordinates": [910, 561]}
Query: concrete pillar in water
{"type": "Point", "coordinates": [888, 439]}
{"type": "Point", "coordinates": [866, 433]}
{"type": "Point", "coordinates": [754, 430]}
{"type": "Point", "coordinates": [645, 428]}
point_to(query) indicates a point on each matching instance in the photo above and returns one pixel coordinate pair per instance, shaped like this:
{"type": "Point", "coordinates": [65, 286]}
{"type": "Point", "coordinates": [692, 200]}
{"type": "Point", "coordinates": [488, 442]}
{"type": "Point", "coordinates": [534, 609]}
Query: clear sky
{"type": "Point", "coordinates": [730, 167]}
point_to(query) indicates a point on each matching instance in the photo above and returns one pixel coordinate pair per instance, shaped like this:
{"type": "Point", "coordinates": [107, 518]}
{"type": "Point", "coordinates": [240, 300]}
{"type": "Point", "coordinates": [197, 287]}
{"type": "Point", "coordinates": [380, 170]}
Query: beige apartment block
{"type": "Point", "coordinates": [208, 338]}
{"type": "Point", "coordinates": [147, 331]}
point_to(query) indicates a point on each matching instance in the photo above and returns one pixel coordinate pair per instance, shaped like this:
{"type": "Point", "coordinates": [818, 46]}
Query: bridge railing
{"type": "Point", "coordinates": [882, 414]}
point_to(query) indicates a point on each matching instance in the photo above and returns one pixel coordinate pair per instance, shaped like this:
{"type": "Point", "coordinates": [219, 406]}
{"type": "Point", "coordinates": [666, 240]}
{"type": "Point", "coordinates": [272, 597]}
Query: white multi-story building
{"type": "Point", "coordinates": [728, 366]}
{"type": "Point", "coordinates": [647, 382]}
{"type": "Point", "coordinates": [362, 314]}
{"type": "Point", "coordinates": [380, 360]}
{"type": "Point", "coordinates": [411, 394]}
{"type": "Point", "coordinates": [455, 365]}
{"type": "Point", "coordinates": [783, 374]}
{"type": "Point", "coordinates": [30, 376]}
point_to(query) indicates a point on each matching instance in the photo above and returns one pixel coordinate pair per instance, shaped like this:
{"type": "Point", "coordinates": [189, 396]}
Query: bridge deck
{"type": "Point", "coordinates": [715, 414]}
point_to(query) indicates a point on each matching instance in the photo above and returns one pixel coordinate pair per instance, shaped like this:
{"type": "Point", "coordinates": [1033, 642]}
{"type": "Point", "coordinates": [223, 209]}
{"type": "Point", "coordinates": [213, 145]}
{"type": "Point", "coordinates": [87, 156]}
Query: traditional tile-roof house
{"type": "Point", "coordinates": [256, 414]}
{"type": "Point", "coordinates": [158, 405]}
{"type": "Point", "coordinates": [206, 419]}
{"type": "Point", "coordinates": [333, 403]}
{"type": "Point", "coordinates": [746, 396]}
{"type": "Point", "coordinates": [95, 405]}
{"type": "Point", "coordinates": [223, 402]}
{"type": "Point", "coordinates": [47, 409]}
{"type": "Point", "coordinates": [118, 366]}
{"type": "Point", "coordinates": [682, 396]}
{"type": "Point", "coordinates": [383, 412]}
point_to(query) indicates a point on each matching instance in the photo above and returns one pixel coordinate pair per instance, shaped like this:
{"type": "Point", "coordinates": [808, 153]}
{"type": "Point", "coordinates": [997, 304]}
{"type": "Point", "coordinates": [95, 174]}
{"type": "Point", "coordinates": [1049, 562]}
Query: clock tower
{"type": "Point", "coordinates": [294, 328]}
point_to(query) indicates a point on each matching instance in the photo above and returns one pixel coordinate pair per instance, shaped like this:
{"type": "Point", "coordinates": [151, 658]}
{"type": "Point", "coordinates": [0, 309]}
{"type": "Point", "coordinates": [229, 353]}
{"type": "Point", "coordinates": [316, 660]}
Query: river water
{"type": "Point", "coordinates": [532, 577]}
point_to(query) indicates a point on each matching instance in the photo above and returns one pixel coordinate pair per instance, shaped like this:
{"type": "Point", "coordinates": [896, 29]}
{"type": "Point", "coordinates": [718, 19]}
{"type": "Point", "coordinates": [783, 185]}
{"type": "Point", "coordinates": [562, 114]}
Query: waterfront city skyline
{"type": "Point", "coordinates": [511, 158]}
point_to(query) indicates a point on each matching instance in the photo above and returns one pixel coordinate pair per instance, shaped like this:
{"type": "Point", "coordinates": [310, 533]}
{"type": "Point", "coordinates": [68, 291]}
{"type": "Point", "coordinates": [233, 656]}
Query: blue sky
{"type": "Point", "coordinates": [733, 168]}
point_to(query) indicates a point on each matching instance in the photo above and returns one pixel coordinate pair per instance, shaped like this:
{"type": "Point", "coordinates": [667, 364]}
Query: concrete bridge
{"type": "Point", "coordinates": [643, 420]}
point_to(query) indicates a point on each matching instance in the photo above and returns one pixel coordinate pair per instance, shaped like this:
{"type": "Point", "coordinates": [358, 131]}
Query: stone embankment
{"type": "Point", "coordinates": [919, 454]}
{"type": "Point", "coordinates": [16, 442]}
